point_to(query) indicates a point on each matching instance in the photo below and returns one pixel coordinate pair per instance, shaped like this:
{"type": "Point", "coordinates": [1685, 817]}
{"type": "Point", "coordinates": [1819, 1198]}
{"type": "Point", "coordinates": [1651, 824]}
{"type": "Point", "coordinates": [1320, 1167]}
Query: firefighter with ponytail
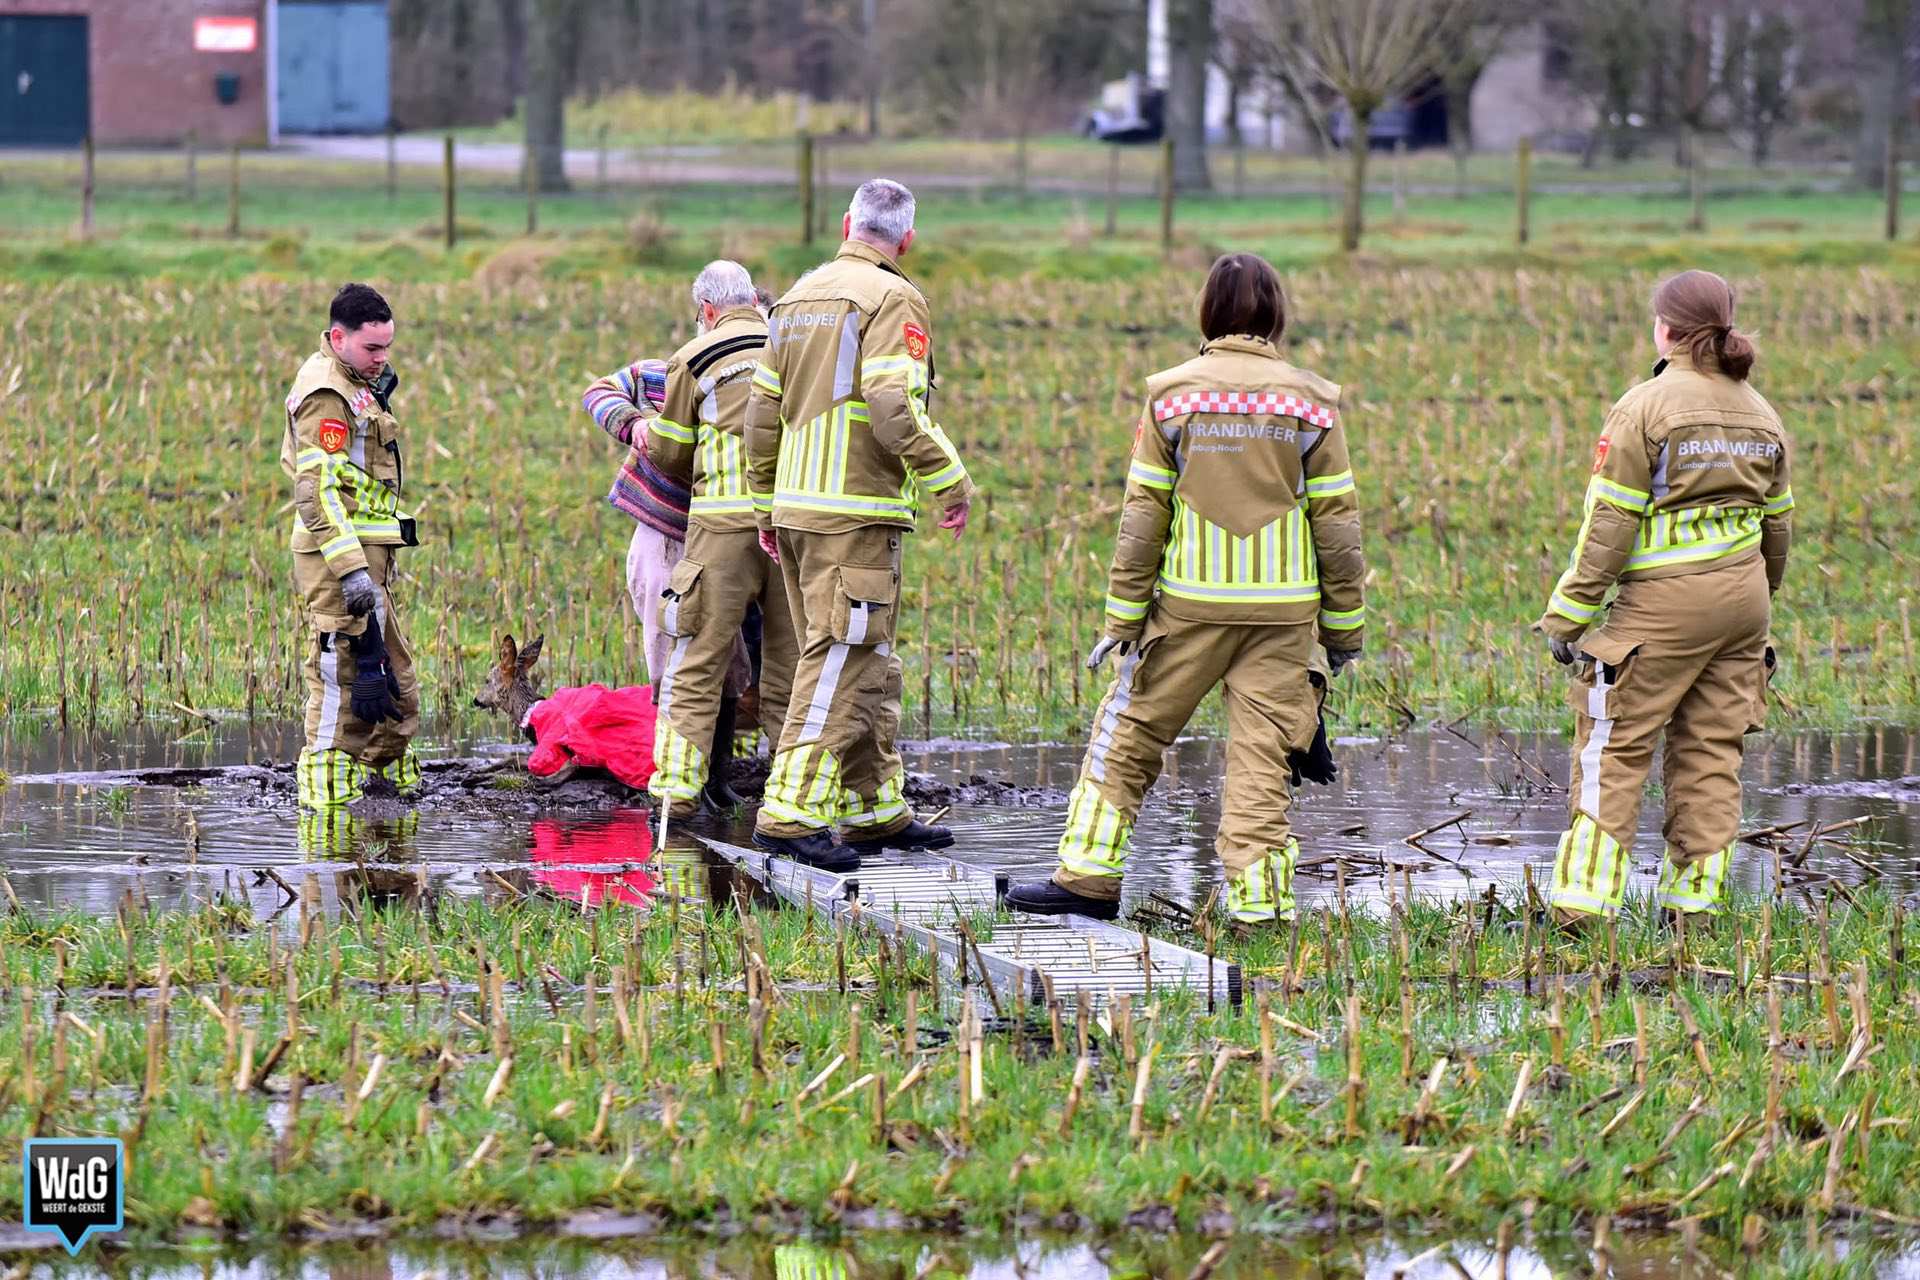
{"type": "Point", "coordinates": [1687, 523]}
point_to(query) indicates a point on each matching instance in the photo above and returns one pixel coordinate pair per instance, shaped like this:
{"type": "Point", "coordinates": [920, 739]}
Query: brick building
{"type": "Point", "coordinates": [153, 71]}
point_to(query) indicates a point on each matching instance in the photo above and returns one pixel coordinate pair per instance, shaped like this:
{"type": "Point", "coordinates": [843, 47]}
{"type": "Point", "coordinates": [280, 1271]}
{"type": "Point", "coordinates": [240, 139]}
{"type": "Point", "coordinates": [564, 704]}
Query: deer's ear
{"type": "Point", "coordinates": [531, 654]}
{"type": "Point", "coordinates": [508, 653]}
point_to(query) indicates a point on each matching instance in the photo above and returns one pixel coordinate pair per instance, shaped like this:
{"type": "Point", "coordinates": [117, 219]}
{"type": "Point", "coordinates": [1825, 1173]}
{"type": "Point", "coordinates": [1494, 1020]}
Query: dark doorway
{"type": "Point", "coordinates": [43, 81]}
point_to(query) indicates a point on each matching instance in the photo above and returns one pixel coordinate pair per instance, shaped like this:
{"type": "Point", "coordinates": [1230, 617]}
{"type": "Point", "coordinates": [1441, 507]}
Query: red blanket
{"type": "Point", "coordinates": [598, 727]}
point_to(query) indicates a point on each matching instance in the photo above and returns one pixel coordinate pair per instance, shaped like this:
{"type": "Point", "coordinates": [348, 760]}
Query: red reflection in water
{"type": "Point", "coordinates": [562, 852]}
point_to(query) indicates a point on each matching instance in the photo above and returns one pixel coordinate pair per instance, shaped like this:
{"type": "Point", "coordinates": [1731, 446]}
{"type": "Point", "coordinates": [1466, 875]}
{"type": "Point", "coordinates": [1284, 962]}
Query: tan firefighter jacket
{"type": "Point", "coordinates": [342, 451]}
{"type": "Point", "coordinates": [699, 436]}
{"type": "Point", "coordinates": [838, 431]}
{"type": "Point", "coordinates": [1690, 474]}
{"type": "Point", "coordinates": [1240, 504]}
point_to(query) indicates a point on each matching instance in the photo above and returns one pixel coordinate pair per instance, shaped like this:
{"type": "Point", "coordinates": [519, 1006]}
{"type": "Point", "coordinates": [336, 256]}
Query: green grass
{"type": "Point", "coordinates": [143, 517]}
{"type": "Point", "coordinates": [1387, 996]}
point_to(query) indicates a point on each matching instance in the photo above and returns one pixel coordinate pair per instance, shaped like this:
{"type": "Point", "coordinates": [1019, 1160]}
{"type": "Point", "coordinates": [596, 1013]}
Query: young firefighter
{"type": "Point", "coordinates": [698, 438]}
{"type": "Point", "coordinates": [1688, 511]}
{"type": "Point", "coordinates": [1239, 546]}
{"type": "Point", "coordinates": [342, 452]}
{"type": "Point", "coordinates": [842, 451]}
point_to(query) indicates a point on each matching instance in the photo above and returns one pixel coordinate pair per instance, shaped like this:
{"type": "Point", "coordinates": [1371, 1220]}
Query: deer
{"type": "Point", "coordinates": [507, 689]}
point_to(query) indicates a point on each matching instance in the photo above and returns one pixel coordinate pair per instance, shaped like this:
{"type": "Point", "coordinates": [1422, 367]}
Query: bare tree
{"type": "Point", "coordinates": [1886, 32]}
{"type": "Point", "coordinates": [1370, 53]}
{"type": "Point", "coordinates": [553, 42]}
{"type": "Point", "coordinates": [1189, 51]}
{"type": "Point", "coordinates": [1612, 44]}
{"type": "Point", "coordinates": [1763, 67]}
{"type": "Point", "coordinates": [1466, 47]}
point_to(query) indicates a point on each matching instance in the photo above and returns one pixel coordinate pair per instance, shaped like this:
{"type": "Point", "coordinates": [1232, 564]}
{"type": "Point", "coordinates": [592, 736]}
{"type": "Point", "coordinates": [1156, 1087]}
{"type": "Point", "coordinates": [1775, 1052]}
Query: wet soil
{"type": "Point", "coordinates": [83, 820]}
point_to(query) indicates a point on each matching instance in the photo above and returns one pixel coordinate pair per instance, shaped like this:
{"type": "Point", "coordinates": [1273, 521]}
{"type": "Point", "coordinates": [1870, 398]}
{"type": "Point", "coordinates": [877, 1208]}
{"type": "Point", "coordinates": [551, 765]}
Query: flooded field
{"type": "Point", "coordinates": [1361, 1256]}
{"type": "Point", "coordinates": [75, 830]}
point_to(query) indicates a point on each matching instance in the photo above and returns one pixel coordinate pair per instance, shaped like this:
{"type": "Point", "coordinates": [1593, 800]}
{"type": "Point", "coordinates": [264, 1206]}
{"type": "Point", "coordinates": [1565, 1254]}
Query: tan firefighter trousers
{"type": "Point", "coordinates": [836, 763]}
{"type": "Point", "coordinates": [1687, 656]}
{"type": "Point", "coordinates": [705, 602]}
{"type": "Point", "coordinates": [341, 748]}
{"type": "Point", "coordinates": [1272, 708]}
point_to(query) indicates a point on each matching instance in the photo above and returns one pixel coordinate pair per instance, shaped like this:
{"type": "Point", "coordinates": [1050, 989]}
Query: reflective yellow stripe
{"type": "Point", "coordinates": [1572, 610]}
{"type": "Point", "coordinates": [1780, 504]}
{"type": "Point", "coordinates": [765, 378]}
{"type": "Point", "coordinates": [1589, 871]}
{"type": "Point", "coordinates": [1145, 473]}
{"type": "Point", "coordinates": [1095, 841]}
{"type": "Point", "coordinates": [671, 430]}
{"type": "Point", "coordinates": [1343, 619]}
{"type": "Point", "coordinates": [945, 478]}
{"type": "Point", "coordinates": [1204, 562]}
{"type": "Point", "coordinates": [1126, 610]}
{"type": "Point", "coordinates": [1631, 500]}
{"type": "Point", "coordinates": [1693, 535]}
{"type": "Point", "coordinates": [1330, 486]}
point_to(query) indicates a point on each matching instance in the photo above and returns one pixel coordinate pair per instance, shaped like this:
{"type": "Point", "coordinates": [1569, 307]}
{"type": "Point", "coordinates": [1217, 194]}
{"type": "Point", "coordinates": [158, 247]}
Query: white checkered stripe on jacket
{"type": "Point", "coordinates": [1249, 402]}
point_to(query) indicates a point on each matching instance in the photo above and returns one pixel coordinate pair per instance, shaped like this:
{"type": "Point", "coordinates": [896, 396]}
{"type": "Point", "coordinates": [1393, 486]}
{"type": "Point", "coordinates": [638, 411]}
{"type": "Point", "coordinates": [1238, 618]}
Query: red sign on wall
{"type": "Point", "coordinates": [226, 35]}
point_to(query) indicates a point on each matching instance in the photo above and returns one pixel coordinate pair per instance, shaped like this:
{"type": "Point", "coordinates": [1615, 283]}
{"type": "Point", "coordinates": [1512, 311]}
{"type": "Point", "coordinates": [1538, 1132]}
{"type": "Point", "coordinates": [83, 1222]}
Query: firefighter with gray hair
{"type": "Point", "coordinates": [843, 454]}
{"type": "Point", "coordinates": [698, 438]}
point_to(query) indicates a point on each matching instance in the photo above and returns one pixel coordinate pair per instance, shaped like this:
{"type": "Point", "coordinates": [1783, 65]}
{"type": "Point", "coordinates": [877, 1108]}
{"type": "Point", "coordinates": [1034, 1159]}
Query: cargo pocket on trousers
{"type": "Point", "coordinates": [1606, 664]}
{"type": "Point", "coordinates": [1763, 690]}
{"type": "Point", "coordinates": [681, 607]}
{"type": "Point", "coordinates": [865, 602]}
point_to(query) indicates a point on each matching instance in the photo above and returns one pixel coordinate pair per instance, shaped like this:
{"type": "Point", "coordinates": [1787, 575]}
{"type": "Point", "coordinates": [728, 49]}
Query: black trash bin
{"type": "Point", "coordinates": [226, 87]}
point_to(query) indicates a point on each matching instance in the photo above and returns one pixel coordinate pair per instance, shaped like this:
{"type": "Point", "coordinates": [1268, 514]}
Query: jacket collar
{"type": "Point", "coordinates": [340, 366]}
{"type": "Point", "coordinates": [1243, 343]}
{"type": "Point", "coordinates": [744, 313]}
{"type": "Point", "coordinates": [866, 253]}
{"type": "Point", "coordinates": [1680, 358]}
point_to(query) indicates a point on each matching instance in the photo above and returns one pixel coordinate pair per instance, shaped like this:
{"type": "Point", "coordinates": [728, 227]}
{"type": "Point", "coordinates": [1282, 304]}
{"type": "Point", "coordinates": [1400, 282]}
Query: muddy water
{"type": "Point", "coordinates": [1372, 1256]}
{"type": "Point", "coordinates": [86, 841]}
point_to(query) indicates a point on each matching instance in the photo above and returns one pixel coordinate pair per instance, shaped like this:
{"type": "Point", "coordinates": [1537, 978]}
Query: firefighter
{"type": "Point", "coordinates": [842, 452]}
{"type": "Point", "coordinates": [1689, 512]}
{"type": "Point", "coordinates": [342, 452]}
{"type": "Point", "coordinates": [697, 439]}
{"type": "Point", "coordinates": [1239, 548]}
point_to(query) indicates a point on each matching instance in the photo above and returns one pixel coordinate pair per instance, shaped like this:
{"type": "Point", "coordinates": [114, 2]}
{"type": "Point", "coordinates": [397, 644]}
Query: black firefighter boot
{"type": "Point", "coordinates": [717, 796]}
{"type": "Point", "coordinates": [1045, 898]}
{"type": "Point", "coordinates": [915, 835]}
{"type": "Point", "coordinates": [815, 849]}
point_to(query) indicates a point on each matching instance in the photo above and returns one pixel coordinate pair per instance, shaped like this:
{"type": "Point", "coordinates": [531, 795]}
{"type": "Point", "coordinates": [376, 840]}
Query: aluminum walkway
{"type": "Point", "coordinates": [945, 907]}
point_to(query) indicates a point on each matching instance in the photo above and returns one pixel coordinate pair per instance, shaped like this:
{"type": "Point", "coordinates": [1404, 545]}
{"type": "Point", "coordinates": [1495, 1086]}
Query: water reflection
{"type": "Point", "coordinates": [88, 841]}
{"type": "Point", "coordinates": [596, 861]}
{"type": "Point", "coordinates": [1361, 1256]}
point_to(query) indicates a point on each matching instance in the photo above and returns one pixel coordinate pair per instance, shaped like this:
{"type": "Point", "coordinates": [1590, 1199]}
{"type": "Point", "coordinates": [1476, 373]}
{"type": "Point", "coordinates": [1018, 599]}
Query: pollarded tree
{"type": "Point", "coordinates": [1369, 53]}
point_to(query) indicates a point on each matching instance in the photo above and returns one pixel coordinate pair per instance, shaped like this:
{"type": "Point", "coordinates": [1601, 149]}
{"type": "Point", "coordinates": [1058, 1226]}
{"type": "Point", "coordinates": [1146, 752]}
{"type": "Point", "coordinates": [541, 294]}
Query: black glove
{"type": "Point", "coordinates": [1316, 762]}
{"type": "Point", "coordinates": [376, 692]}
{"type": "Point", "coordinates": [1563, 651]}
{"type": "Point", "coordinates": [1338, 658]}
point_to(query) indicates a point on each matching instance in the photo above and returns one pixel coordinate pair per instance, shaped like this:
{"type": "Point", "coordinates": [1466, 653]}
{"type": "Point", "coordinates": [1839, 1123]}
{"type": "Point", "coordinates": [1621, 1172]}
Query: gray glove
{"type": "Point", "coordinates": [1338, 658]}
{"type": "Point", "coordinates": [1563, 651]}
{"type": "Point", "coordinates": [1107, 645]}
{"type": "Point", "coordinates": [362, 596]}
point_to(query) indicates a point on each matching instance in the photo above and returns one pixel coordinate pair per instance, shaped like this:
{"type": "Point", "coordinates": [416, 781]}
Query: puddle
{"type": "Point", "coordinates": [86, 841]}
{"type": "Point", "coordinates": [591, 1256]}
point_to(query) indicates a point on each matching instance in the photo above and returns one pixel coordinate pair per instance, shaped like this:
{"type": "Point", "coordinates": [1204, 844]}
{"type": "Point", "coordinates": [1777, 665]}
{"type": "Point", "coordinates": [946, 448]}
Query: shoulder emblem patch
{"type": "Point", "coordinates": [917, 340]}
{"type": "Point", "coordinates": [333, 435]}
{"type": "Point", "coordinates": [1600, 454]}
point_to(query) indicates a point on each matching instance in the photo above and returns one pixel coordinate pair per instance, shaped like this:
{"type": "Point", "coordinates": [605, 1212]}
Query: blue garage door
{"type": "Point", "coordinates": [332, 67]}
{"type": "Point", "coordinates": [43, 81]}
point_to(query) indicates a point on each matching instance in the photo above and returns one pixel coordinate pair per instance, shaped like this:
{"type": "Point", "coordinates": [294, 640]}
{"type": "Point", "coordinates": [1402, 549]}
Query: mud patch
{"type": "Point", "coordinates": [499, 786]}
